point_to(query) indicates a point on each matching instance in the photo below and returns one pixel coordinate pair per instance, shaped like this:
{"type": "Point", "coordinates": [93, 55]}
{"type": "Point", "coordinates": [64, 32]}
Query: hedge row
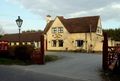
{"type": "Point", "coordinates": [22, 52]}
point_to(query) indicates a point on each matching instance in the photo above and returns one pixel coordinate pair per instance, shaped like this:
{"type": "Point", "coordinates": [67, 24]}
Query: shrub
{"type": "Point", "coordinates": [23, 52]}
{"type": "Point", "coordinates": [49, 58]}
{"type": "Point", "coordinates": [12, 51]}
{"type": "Point", "coordinates": [4, 54]}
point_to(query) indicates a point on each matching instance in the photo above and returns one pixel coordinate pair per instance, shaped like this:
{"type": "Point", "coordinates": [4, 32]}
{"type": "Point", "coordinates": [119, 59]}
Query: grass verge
{"type": "Point", "coordinates": [7, 61]}
{"type": "Point", "coordinates": [109, 76]}
{"type": "Point", "coordinates": [49, 58]}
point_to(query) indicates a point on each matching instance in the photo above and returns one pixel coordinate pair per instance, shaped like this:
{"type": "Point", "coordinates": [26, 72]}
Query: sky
{"type": "Point", "coordinates": [33, 12]}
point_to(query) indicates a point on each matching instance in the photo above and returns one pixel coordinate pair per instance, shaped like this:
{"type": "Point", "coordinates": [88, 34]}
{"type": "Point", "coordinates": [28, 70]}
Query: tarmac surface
{"type": "Point", "coordinates": [71, 67]}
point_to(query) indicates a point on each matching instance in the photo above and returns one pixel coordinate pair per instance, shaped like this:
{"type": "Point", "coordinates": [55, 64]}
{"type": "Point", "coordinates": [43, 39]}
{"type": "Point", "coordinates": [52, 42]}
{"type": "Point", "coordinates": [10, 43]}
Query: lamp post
{"type": "Point", "coordinates": [19, 24]}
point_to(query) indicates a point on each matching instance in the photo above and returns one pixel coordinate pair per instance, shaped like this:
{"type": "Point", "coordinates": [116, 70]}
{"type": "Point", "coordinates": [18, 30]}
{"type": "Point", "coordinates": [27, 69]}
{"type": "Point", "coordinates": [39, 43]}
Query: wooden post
{"type": "Point", "coordinates": [105, 52]}
{"type": "Point", "coordinates": [42, 56]}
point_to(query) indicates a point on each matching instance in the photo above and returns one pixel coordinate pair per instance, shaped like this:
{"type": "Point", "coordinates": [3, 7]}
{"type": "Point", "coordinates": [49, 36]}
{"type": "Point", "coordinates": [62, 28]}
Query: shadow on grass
{"type": "Point", "coordinates": [8, 61]}
{"type": "Point", "coordinates": [110, 76]}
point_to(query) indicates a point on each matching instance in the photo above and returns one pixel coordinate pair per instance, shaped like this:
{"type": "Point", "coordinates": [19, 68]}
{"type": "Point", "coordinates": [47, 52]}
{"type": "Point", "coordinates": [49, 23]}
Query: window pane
{"type": "Point", "coordinates": [54, 30]}
{"type": "Point", "coordinates": [54, 42]}
{"type": "Point", "coordinates": [79, 43]}
{"type": "Point", "coordinates": [60, 29]}
{"type": "Point", "coordinates": [60, 43]}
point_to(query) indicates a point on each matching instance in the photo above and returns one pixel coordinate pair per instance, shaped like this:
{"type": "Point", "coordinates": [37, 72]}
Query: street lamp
{"type": "Point", "coordinates": [19, 24]}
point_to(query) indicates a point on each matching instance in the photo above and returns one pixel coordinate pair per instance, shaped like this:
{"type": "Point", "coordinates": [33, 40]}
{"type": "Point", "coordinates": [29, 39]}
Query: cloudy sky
{"type": "Point", "coordinates": [33, 12]}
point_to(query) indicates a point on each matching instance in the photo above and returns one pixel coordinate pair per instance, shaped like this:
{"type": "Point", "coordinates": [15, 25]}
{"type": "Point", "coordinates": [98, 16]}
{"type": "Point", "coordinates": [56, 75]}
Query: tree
{"type": "Point", "coordinates": [1, 31]}
{"type": "Point", "coordinates": [113, 33]}
{"type": "Point", "coordinates": [32, 31]}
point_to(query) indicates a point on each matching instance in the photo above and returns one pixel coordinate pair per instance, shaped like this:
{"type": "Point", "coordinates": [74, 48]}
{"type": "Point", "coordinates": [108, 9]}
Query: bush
{"type": "Point", "coordinates": [4, 54]}
{"type": "Point", "coordinates": [12, 51]}
{"type": "Point", "coordinates": [23, 52]}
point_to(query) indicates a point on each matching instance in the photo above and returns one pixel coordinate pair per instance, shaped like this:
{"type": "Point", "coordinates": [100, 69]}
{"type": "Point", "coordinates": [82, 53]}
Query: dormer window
{"type": "Point", "coordinates": [57, 30]}
{"type": "Point", "coordinates": [99, 30]}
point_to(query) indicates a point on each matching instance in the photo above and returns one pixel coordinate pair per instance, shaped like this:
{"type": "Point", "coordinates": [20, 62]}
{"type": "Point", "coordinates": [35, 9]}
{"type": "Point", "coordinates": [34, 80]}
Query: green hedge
{"type": "Point", "coordinates": [23, 52]}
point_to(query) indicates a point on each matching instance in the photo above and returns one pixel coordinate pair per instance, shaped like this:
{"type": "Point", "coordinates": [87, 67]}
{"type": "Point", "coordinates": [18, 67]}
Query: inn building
{"type": "Point", "coordinates": [74, 34]}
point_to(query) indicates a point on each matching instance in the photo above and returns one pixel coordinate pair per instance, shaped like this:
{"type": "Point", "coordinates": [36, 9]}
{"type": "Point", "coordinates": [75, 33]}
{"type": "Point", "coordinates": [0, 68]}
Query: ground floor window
{"type": "Point", "coordinates": [60, 43]}
{"type": "Point", "coordinates": [54, 42]}
{"type": "Point", "coordinates": [79, 43]}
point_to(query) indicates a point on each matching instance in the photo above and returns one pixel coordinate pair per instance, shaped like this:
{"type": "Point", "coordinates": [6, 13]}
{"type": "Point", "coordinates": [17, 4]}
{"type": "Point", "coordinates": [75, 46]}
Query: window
{"type": "Point", "coordinates": [54, 42]}
{"type": "Point", "coordinates": [57, 30]}
{"type": "Point", "coordinates": [79, 43]}
{"type": "Point", "coordinates": [99, 30]}
{"type": "Point", "coordinates": [60, 43]}
{"type": "Point", "coordinates": [54, 30]}
{"type": "Point", "coordinates": [60, 29]}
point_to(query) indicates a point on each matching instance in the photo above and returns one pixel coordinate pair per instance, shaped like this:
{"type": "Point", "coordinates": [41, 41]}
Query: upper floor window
{"type": "Point", "coordinates": [99, 30]}
{"type": "Point", "coordinates": [60, 29]}
{"type": "Point", "coordinates": [57, 30]}
{"type": "Point", "coordinates": [54, 30]}
{"type": "Point", "coordinates": [79, 43]}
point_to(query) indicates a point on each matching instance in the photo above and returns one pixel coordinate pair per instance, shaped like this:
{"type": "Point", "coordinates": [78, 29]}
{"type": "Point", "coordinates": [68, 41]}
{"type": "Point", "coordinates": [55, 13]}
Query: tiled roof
{"type": "Point", "coordinates": [48, 26]}
{"type": "Point", "coordinates": [24, 37]}
{"type": "Point", "coordinates": [77, 25]}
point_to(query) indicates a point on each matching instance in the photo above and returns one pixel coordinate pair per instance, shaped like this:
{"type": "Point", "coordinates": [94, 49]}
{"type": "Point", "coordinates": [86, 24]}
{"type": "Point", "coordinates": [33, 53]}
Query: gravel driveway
{"type": "Point", "coordinates": [80, 66]}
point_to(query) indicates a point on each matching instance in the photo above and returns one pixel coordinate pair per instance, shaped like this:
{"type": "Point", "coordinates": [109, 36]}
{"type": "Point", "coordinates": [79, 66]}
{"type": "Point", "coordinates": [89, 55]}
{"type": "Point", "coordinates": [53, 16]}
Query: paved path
{"type": "Point", "coordinates": [83, 67]}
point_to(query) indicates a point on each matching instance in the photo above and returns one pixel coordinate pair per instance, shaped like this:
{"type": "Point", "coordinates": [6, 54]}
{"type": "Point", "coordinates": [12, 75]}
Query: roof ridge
{"type": "Point", "coordinates": [84, 17]}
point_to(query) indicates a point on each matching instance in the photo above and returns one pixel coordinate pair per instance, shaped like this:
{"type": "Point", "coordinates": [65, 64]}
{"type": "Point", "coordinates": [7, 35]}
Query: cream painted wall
{"type": "Point", "coordinates": [12, 43]}
{"type": "Point", "coordinates": [111, 42]}
{"type": "Point", "coordinates": [23, 43]}
{"type": "Point", "coordinates": [50, 36]}
{"type": "Point", "coordinates": [17, 43]}
{"type": "Point", "coordinates": [37, 44]}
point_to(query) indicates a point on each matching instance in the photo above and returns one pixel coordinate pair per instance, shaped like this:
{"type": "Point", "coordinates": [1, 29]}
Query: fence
{"type": "Point", "coordinates": [111, 55]}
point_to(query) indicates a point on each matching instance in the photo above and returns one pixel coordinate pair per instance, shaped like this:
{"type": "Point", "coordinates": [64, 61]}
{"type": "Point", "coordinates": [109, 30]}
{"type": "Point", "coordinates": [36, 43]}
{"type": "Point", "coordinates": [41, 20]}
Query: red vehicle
{"type": "Point", "coordinates": [3, 45]}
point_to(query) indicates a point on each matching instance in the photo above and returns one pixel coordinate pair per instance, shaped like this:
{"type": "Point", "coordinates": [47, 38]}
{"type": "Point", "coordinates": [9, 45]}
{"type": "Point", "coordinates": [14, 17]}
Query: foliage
{"type": "Point", "coordinates": [49, 58]}
{"type": "Point", "coordinates": [4, 54]}
{"type": "Point", "coordinates": [32, 31]}
{"type": "Point", "coordinates": [23, 52]}
{"type": "Point", "coordinates": [8, 61]}
{"type": "Point", "coordinates": [1, 30]}
{"type": "Point", "coordinates": [110, 76]}
{"type": "Point", "coordinates": [1, 36]}
{"type": "Point", "coordinates": [21, 55]}
{"type": "Point", "coordinates": [113, 33]}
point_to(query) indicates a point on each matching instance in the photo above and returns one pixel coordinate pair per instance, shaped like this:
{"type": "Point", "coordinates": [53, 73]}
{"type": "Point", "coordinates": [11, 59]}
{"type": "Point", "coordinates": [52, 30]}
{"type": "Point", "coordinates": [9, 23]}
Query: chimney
{"type": "Point", "coordinates": [48, 18]}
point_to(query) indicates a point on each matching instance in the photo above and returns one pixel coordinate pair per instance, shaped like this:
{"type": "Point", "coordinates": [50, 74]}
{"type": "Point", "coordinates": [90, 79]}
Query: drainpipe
{"type": "Point", "coordinates": [86, 42]}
